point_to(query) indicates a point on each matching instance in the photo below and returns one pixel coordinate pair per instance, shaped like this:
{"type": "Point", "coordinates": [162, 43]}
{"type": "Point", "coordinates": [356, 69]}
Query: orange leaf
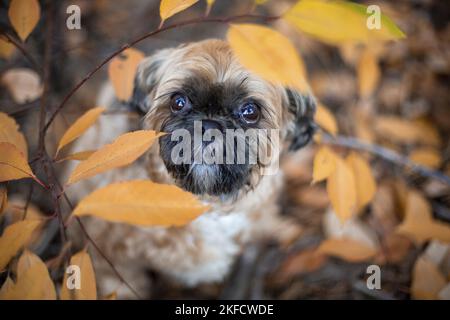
{"type": "Point", "coordinates": [33, 281]}
{"type": "Point", "coordinates": [258, 49]}
{"type": "Point", "coordinates": [324, 164]}
{"type": "Point", "coordinates": [429, 157]}
{"type": "Point", "coordinates": [341, 188]}
{"type": "Point", "coordinates": [427, 280]}
{"type": "Point", "coordinates": [13, 164]}
{"type": "Point", "coordinates": [141, 202]}
{"type": "Point", "coordinates": [3, 198]}
{"type": "Point", "coordinates": [325, 119]}
{"type": "Point", "coordinates": [14, 238]}
{"type": "Point", "coordinates": [80, 156]}
{"type": "Point", "coordinates": [79, 126]}
{"type": "Point", "coordinates": [169, 8]}
{"type": "Point", "coordinates": [24, 16]}
{"type": "Point", "coordinates": [365, 182]}
{"type": "Point", "coordinates": [87, 289]}
{"type": "Point", "coordinates": [368, 73]}
{"type": "Point", "coordinates": [349, 250]}
{"type": "Point", "coordinates": [6, 48]}
{"type": "Point", "coordinates": [122, 71]}
{"type": "Point", "coordinates": [9, 132]}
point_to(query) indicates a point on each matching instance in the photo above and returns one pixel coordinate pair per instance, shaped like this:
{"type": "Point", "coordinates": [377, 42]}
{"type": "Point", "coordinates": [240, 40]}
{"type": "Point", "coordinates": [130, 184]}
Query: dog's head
{"type": "Point", "coordinates": [226, 125]}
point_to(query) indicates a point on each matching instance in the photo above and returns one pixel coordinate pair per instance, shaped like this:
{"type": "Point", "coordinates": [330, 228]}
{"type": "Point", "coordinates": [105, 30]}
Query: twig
{"type": "Point", "coordinates": [148, 35]}
{"type": "Point", "coordinates": [389, 155]}
{"type": "Point", "coordinates": [23, 50]}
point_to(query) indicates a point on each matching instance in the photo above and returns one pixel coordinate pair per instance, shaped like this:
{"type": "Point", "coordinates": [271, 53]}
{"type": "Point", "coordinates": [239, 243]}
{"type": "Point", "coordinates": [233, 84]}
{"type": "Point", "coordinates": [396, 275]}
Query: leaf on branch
{"type": "Point", "coordinates": [13, 164]}
{"type": "Point", "coordinates": [79, 127]}
{"type": "Point", "coordinates": [33, 281]}
{"type": "Point", "coordinates": [6, 48]}
{"type": "Point", "coordinates": [337, 22]}
{"type": "Point", "coordinates": [23, 84]}
{"type": "Point", "coordinates": [368, 73]}
{"type": "Point", "coordinates": [324, 164]}
{"type": "Point", "coordinates": [325, 119]}
{"type": "Point", "coordinates": [123, 151]}
{"type": "Point", "coordinates": [341, 188]}
{"type": "Point", "coordinates": [9, 132]}
{"type": "Point", "coordinates": [347, 249]}
{"type": "Point", "coordinates": [79, 156]}
{"type": "Point", "coordinates": [426, 156]}
{"type": "Point", "coordinates": [3, 198]}
{"type": "Point", "coordinates": [88, 289]}
{"type": "Point", "coordinates": [24, 16]}
{"type": "Point", "coordinates": [122, 71]}
{"type": "Point", "coordinates": [365, 182]}
{"type": "Point", "coordinates": [269, 54]}
{"type": "Point", "coordinates": [427, 280]}
{"type": "Point", "coordinates": [419, 224]}
{"type": "Point", "coordinates": [142, 202]}
{"type": "Point", "coordinates": [169, 8]}
{"type": "Point", "coordinates": [14, 238]}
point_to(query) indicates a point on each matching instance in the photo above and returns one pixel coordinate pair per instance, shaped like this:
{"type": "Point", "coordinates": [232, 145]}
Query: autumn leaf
{"type": "Point", "coordinates": [33, 281]}
{"type": "Point", "coordinates": [324, 164]}
{"type": "Point", "coordinates": [24, 16]}
{"type": "Point", "coordinates": [341, 188]}
{"type": "Point", "coordinates": [13, 164]}
{"type": "Point", "coordinates": [9, 132]}
{"type": "Point", "coordinates": [79, 126]}
{"type": "Point", "coordinates": [427, 280]}
{"type": "Point", "coordinates": [79, 156]}
{"type": "Point", "coordinates": [419, 223]}
{"type": "Point", "coordinates": [325, 119]}
{"type": "Point", "coordinates": [268, 53]}
{"type": "Point", "coordinates": [368, 73]}
{"type": "Point", "coordinates": [6, 48]}
{"type": "Point", "coordinates": [23, 84]}
{"type": "Point", "coordinates": [337, 22]}
{"type": "Point", "coordinates": [123, 151]}
{"type": "Point", "coordinates": [209, 4]}
{"type": "Point", "coordinates": [426, 156]}
{"type": "Point", "coordinates": [141, 202]}
{"type": "Point", "coordinates": [122, 71]}
{"type": "Point", "coordinates": [364, 180]}
{"type": "Point", "coordinates": [3, 198]}
{"type": "Point", "coordinates": [169, 8]}
{"type": "Point", "coordinates": [347, 249]}
{"type": "Point", "coordinates": [14, 238]}
{"type": "Point", "coordinates": [88, 289]}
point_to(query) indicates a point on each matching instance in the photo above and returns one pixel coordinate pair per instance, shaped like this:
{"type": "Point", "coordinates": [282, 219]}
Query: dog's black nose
{"type": "Point", "coordinates": [210, 124]}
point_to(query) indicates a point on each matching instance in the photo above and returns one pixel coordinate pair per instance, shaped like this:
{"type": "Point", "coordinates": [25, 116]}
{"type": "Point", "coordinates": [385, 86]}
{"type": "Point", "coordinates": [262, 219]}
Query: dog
{"type": "Point", "coordinates": [176, 88]}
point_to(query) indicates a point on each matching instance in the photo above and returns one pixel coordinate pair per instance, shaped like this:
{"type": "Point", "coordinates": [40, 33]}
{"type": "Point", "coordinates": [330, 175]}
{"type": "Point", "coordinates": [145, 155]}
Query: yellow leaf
{"type": "Point", "coordinates": [347, 249]}
{"type": "Point", "coordinates": [13, 164]}
{"type": "Point", "coordinates": [87, 289]}
{"type": "Point", "coordinates": [325, 119]}
{"type": "Point", "coordinates": [419, 223]}
{"type": "Point", "coordinates": [341, 188]}
{"type": "Point", "coordinates": [23, 84]}
{"type": "Point", "coordinates": [123, 151]}
{"type": "Point", "coordinates": [33, 281]}
{"type": "Point", "coordinates": [24, 16]}
{"type": "Point", "coordinates": [260, 2]}
{"type": "Point", "coordinates": [405, 131]}
{"type": "Point", "coordinates": [3, 198]}
{"type": "Point", "coordinates": [427, 280]}
{"type": "Point", "coordinates": [9, 132]}
{"type": "Point", "coordinates": [141, 202]}
{"type": "Point", "coordinates": [79, 126]}
{"type": "Point", "coordinates": [6, 48]}
{"type": "Point", "coordinates": [365, 182]}
{"type": "Point", "coordinates": [169, 8]}
{"type": "Point", "coordinates": [338, 22]}
{"type": "Point", "coordinates": [209, 4]}
{"type": "Point", "coordinates": [14, 238]}
{"type": "Point", "coordinates": [324, 164]}
{"type": "Point", "coordinates": [268, 53]}
{"type": "Point", "coordinates": [122, 71]}
{"type": "Point", "coordinates": [368, 73]}
{"type": "Point", "coordinates": [82, 155]}
{"type": "Point", "coordinates": [427, 157]}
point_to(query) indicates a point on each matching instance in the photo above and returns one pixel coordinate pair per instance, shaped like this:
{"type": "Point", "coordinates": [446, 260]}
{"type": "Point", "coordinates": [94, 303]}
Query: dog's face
{"type": "Point", "coordinates": [201, 91]}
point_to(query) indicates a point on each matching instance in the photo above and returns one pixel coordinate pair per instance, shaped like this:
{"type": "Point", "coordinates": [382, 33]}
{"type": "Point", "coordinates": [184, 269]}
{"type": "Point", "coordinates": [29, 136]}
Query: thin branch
{"type": "Point", "coordinates": [389, 155]}
{"type": "Point", "coordinates": [18, 44]}
{"type": "Point", "coordinates": [148, 35]}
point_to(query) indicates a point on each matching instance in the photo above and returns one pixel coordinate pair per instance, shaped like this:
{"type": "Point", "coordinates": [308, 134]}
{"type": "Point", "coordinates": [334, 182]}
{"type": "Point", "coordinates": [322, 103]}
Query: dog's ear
{"type": "Point", "coordinates": [148, 73]}
{"type": "Point", "coordinates": [301, 109]}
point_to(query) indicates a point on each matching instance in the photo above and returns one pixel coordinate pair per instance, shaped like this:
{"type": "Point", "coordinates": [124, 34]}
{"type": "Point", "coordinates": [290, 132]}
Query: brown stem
{"type": "Point", "coordinates": [148, 35]}
{"type": "Point", "coordinates": [389, 155]}
{"type": "Point", "coordinates": [18, 44]}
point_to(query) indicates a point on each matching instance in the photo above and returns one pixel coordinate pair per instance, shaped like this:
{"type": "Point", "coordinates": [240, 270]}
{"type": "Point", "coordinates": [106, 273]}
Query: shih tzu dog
{"type": "Point", "coordinates": [198, 90]}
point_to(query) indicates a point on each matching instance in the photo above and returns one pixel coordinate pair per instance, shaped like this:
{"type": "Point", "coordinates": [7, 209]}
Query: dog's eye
{"type": "Point", "coordinates": [250, 112]}
{"type": "Point", "coordinates": [179, 102]}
